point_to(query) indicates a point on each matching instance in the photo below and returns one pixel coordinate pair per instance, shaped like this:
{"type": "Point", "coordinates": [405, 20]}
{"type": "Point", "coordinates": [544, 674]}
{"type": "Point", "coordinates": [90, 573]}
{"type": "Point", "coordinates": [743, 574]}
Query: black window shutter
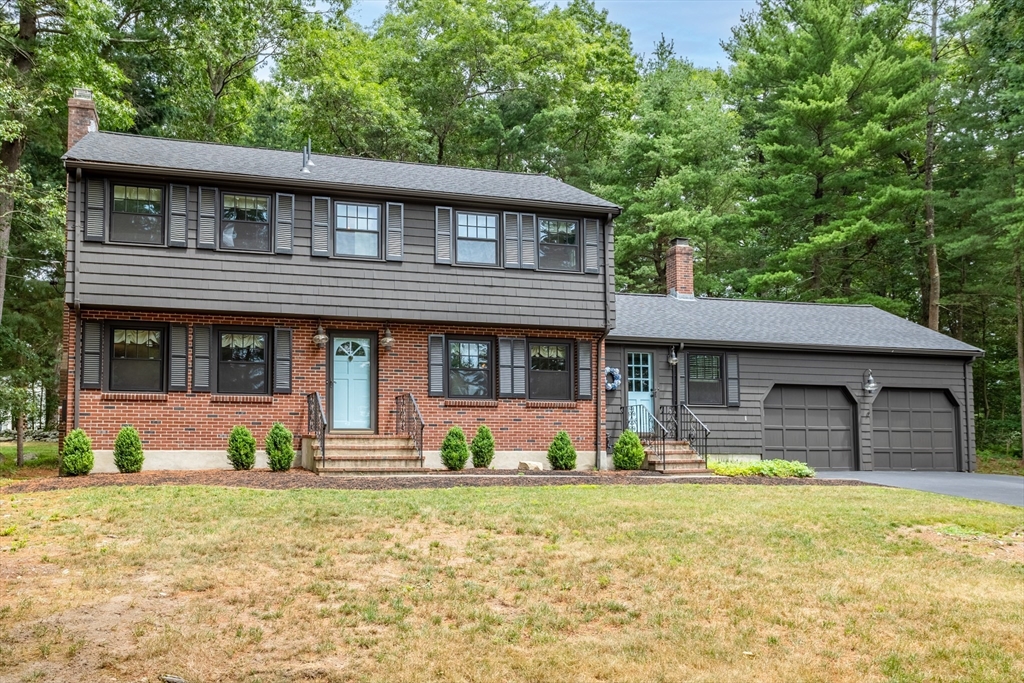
{"type": "Point", "coordinates": [207, 235]}
{"type": "Point", "coordinates": [92, 354]}
{"type": "Point", "coordinates": [435, 352]}
{"type": "Point", "coordinates": [443, 234]}
{"type": "Point", "coordinates": [732, 387]}
{"type": "Point", "coordinates": [504, 366]}
{"type": "Point", "coordinates": [511, 240]}
{"type": "Point", "coordinates": [584, 353]}
{"type": "Point", "coordinates": [681, 377]}
{"type": "Point", "coordinates": [95, 210]}
{"type": "Point", "coordinates": [177, 217]}
{"type": "Point", "coordinates": [395, 240]}
{"type": "Point", "coordinates": [321, 242]}
{"type": "Point", "coordinates": [519, 367]}
{"type": "Point", "coordinates": [591, 240]}
{"type": "Point", "coordinates": [282, 361]}
{"type": "Point", "coordinates": [284, 223]}
{"type": "Point", "coordinates": [179, 358]}
{"type": "Point", "coordinates": [202, 353]}
{"type": "Point", "coordinates": [528, 250]}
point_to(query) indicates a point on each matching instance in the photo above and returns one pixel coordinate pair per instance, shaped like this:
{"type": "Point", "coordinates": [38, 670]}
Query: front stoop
{"type": "Point", "coordinates": [680, 458]}
{"type": "Point", "coordinates": [370, 454]}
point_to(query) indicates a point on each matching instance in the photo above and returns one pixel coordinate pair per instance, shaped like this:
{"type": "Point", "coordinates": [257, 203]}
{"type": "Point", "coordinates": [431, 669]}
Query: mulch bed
{"type": "Point", "coordinates": [302, 479]}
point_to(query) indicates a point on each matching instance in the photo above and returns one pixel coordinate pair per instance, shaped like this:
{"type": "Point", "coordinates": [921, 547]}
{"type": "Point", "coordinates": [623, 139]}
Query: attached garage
{"type": "Point", "coordinates": [810, 424]}
{"type": "Point", "coordinates": [914, 429]}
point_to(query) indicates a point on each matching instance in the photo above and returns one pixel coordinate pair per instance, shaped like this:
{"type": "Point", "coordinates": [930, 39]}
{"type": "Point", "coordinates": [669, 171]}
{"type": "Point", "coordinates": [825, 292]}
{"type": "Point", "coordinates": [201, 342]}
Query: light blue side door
{"type": "Point", "coordinates": [350, 397]}
{"type": "Point", "coordinates": [640, 379]}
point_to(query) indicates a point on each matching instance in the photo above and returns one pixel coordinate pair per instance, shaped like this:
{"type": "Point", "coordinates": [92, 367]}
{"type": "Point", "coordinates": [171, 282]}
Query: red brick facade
{"type": "Point", "coordinates": [201, 421]}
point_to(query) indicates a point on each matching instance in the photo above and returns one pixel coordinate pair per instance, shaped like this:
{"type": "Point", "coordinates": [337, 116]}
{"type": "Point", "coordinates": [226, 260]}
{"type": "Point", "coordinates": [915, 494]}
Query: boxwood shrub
{"type": "Point", "coordinates": [77, 459]}
{"type": "Point", "coordinates": [280, 448]}
{"type": "Point", "coordinates": [629, 452]}
{"type": "Point", "coordinates": [454, 451]}
{"type": "Point", "coordinates": [482, 447]}
{"type": "Point", "coordinates": [561, 453]}
{"type": "Point", "coordinates": [128, 454]}
{"type": "Point", "coordinates": [241, 448]}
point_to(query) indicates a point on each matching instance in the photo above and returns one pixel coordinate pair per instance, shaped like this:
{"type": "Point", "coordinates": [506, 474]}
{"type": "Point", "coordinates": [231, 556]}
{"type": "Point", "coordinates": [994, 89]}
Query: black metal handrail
{"type": "Point", "coordinates": [641, 421]}
{"type": "Point", "coordinates": [685, 426]}
{"type": "Point", "coordinates": [316, 422]}
{"type": "Point", "coordinates": [409, 421]}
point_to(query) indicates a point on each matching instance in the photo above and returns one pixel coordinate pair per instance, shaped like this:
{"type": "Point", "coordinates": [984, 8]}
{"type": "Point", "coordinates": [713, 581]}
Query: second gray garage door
{"type": "Point", "coordinates": [913, 429]}
{"type": "Point", "coordinates": [810, 424]}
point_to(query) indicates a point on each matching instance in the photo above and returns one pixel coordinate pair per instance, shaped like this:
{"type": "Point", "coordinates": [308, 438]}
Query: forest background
{"type": "Point", "coordinates": [853, 151]}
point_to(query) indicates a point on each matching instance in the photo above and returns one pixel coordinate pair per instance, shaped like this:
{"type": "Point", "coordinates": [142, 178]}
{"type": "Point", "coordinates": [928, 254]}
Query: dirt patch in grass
{"type": "Point", "coordinates": [302, 479]}
{"type": "Point", "coordinates": [953, 538]}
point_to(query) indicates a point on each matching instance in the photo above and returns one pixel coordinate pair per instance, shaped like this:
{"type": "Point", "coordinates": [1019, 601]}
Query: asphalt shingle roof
{"type": "Point", "coordinates": [775, 324]}
{"type": "Point", "coordinates": [169, 155]}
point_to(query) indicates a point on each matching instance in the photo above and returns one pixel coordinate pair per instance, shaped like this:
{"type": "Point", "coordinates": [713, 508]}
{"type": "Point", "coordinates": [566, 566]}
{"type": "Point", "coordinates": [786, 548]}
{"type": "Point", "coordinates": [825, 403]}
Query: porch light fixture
{"type": "Point", "coordinates": [320, 338]}
{"type": "Point", "coordinates": [387, 341]}
{"type": "Point", "coordinates": [869, 381]}
{"type": "Point", "coordinates": [673, 359]}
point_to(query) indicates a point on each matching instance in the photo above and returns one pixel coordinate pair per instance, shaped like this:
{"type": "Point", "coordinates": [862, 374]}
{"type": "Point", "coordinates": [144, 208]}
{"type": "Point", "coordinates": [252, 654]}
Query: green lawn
{"type": "Point", "coordinates": [585, 583]}
{"type": "Point", "coordinates": [43, 464]}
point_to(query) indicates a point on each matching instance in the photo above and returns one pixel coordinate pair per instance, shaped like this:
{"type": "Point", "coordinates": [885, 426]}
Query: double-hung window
{"type": "Point", "coordinates": [476, 239]}
{"type": "Point", "coordinates": [137, 215]}
{"type": "Point", "coordinates": [550, 371]}
{"type": "Point", "coordinates": [559, 244]}
{"type": "Point", "coordinates": [470, 372]}
{"type": "Point", "coordinates": [136, 359]}
{"type": "Point", "coordinates": [704, 379]}
{"type": "Point", "coordinates": [356, 230]}
{"type": "Point", "coordinates": [245, 222]}
{"type": "Point", "coordinates": [242, 365]}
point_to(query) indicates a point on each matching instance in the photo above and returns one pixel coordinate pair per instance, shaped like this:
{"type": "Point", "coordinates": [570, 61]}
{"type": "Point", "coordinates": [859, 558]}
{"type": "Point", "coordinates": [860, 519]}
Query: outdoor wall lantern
{"type": "Point", "coordinates": [869, 381]}
{"type": "Point", "coordinates": [387, 341]}
{"type": "Point", "coordinates": [673, 359]}
{"type": "Point", "coordinates": [320, 338]}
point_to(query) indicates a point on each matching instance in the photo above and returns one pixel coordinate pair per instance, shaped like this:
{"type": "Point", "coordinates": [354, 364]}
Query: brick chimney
{"type": "Point", "coordinates": [82, 117]}
{"type": "Point", "coordinates": [679, 269]}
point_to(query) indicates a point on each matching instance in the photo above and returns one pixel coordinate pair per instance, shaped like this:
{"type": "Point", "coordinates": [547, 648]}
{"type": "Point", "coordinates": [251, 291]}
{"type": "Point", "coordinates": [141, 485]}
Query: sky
{"type": "Point", "coordinates": [696, 26]}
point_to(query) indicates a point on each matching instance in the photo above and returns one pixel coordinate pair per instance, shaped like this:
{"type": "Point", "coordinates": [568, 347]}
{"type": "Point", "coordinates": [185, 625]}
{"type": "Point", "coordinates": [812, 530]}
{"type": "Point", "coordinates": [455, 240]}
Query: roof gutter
{"type": "Point", "coordinates": [876, 350]}
{"type": "Point", "coordinates": [599, 370]}
{"type": "Point", "coordinates": [311, 184]}
{"type": "Point", "coordinates": [75, 292]}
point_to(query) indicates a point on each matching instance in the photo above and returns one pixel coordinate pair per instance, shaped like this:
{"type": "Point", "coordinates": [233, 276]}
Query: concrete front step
{"type": "Point", "coordinates": [368, 471]}
{"type": "Point", "coordinates": [670, 465]}
{"type": "Point", "coordinates": [369, 441]}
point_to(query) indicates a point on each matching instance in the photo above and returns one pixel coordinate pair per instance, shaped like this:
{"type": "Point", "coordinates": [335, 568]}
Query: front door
{"type": "Point", "coordinates": [640, 379]}
{"type": "Point", "coordinates": [350, 375]}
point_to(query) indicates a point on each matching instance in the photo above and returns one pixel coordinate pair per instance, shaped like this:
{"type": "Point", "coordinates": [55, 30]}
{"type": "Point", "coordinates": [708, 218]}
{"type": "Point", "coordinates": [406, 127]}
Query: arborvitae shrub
{"type": "Point", "coordinates": [241, 448]}
{"type": "Point", "coordinates": [482, 447]}
{"type": "Point", "coordinates": [78, 457]}
{"type": "Point", "coordinates": [561, 453]}
{"type": "Point", "coordinates": [280, 451]}
{"type": "Point", "coordinates": [454, 451]}
{"type": "Point", "coordinates": [128, 450]}
{"type": "Point", "coordinates": [629, 452]}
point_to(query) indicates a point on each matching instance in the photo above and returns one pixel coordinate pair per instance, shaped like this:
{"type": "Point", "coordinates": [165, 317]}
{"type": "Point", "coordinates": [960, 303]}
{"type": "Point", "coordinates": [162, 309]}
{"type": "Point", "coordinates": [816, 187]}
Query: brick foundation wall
{"type": "Point", "coordinates": [201, 421]}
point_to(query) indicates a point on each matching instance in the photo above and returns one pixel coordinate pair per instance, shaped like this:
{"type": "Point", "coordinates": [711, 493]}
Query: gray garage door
{"type": "Point", "coordinates": [810, 424]}
{"type": "Point", "coordinates": [913, 429]}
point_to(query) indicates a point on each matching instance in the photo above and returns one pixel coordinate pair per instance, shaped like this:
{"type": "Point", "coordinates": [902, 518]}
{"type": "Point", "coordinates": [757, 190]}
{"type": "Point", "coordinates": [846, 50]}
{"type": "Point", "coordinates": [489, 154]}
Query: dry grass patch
{"type": "Point", "coordinates": [655, 583]}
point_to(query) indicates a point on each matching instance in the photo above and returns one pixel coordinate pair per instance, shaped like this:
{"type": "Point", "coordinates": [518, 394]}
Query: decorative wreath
{"type": "Point", "coordinates": [615, 380]}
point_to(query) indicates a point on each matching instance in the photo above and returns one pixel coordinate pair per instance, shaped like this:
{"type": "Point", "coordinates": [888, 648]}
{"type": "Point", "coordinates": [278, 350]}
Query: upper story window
{"type": "Point", "coordinates": [469, 368]}
{"type": "Point", "coordinates": [137, 359]}
{"type": "Point", "coordinates": [356, 230]}
{"type": "Point", "coordinates": [476, 238]}
{"type": "Point", "coordinates": [550, 371]}
{"type": "Point", "coordinates": [137, 215]}
{"type": "Point", "coordinates": [704, 379]}
{"type": "Point", "coordinates": [242, 363]}
{"type": "Point", "coordinates": [245, 222]}
{"type": "Point", "coordinates": [559, 245]}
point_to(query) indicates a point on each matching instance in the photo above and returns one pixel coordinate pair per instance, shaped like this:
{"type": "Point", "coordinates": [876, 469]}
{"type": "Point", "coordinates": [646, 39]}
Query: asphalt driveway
{"type": "Point", "coordinates": [997, 488]}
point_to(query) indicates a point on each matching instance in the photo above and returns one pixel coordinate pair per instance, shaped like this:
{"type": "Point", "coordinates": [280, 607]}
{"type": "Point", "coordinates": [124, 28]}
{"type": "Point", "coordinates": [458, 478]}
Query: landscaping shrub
{"type": "Point", "coordinates": [78, 457]}
{"type": "Point", "coordinates": [280, 451]}
{"type": "Point", "coordinates": [454, 451]}
{"type": "Point", "coordinates": [629, 452]}
{"type": "Point", "coordinates": [561, 453]}
{"type": "Point", "coordinates": [241, 448]}
{"type": "Point", "coordinates": [762, 468]}
{"type": "Point", "coordinates": [482, 447]}
{"type": "Point", "coordinates": [128, 450]}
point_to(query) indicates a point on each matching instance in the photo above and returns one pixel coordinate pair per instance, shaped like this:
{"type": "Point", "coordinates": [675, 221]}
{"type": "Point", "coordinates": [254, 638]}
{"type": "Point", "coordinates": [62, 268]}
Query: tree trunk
{"type": "Point", "coordinates": [929, 201]}
{"type": "Point", "coordinates": [21, 438]}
